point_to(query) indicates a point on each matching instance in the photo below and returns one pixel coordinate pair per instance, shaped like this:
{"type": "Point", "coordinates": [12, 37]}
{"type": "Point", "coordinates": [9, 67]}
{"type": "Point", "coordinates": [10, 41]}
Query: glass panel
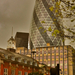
{"type": "Point", "coordinates": [48, 62]}
{"type": "Point", "coordinates": [57, 56]}
{"type": "Point", "coordinates": [57, 62]}
{"type": "Point", "coordinates": [40, 61]}
{"type": "Point", "coordinates": [44, 52]}
{"type": "Point", "coordinates": [12, 72]}
{"type": "Point", "coordinates": [40, 52]}
{"type": "Point", "coordinates": [61, 64]}
{"type": "Point", "coordinates": [36, 52]}
{"type": "Point", "coordinates": [61, 56]}
{"type": "Point", "coordinates": [65, 66]}
{"type": "Point", "coordinates": [61, 51]}
{"type": "Point", "coordinates": [65, 62]}
{"type": "Point", "coordinates": [36, 57]}
{"type": "Point", "coordinates": [48, 56]}
{"type": "Point", "coordinates": [65, 55]}
{"type": "Point", "coordinates": [19, 73]}
{"type": "Point", "coordinates": [44, 57]}
{"type": "Point", "coordinates": [5, 71]}
{"type": "Point", "coordinates": [52, 56]}
{"type": "Point", "coordinates": [48, 51]}
{"type": "Point", "coordinates": [57, 51]}
{"type": "Point", "coordinates": [65, 72]}
{"type": "Point", "coordinates": [65, 50]}
{"type": "Point", "coordinates": [44, 62]}
{"type": "Point", "coordinates": [52, 51]}
{"type": "Point", "coordinates": [25, 73]}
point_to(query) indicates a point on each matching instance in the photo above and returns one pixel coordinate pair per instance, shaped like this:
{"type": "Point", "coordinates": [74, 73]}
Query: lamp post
{"type": "Point", "coordinates": [33, 52]}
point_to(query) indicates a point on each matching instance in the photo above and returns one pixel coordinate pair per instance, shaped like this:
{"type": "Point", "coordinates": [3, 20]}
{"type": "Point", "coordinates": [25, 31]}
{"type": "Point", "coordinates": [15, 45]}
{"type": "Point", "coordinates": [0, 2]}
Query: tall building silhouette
{"type": "Point", "coordinates": [22, 39]}
{"type": "Point", "coordinates": [43, 18]}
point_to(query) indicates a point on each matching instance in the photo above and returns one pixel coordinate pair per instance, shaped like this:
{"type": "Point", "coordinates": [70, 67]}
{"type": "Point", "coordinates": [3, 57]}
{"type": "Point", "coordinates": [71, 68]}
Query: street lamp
{"type": "Point", "coordinates": [33, 52]}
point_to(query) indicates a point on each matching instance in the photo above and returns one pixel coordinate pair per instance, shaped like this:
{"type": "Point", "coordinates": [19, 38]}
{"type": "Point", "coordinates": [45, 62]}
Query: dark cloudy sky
{"type": "Point", "coordinates": [16, 14]}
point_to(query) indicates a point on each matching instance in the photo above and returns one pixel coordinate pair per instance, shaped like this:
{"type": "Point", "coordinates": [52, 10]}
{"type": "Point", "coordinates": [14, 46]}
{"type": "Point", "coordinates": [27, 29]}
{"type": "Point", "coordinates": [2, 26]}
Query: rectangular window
{"type": "Point", "coordinates": [25, 61]}
{"type": "Point", "coordinates": [65, 66]}
{"type": "Point", "coordinates": [20, 51]}
{"type": "Point", "coordinates": [61, 61]}
{"type": "Point", "coordinates": [52, 65]}
{"type": "Point", "coordinates": [52, 51]}
{"type": "Point", "coordinates": [44, 57]}
{"type": "Point", "coordinates": [24, 51]}
{"type": "Point", "coordinates": [44, 52]}
{"type": "Point", "coordinates": [48, 51]}
{"type": "Point", "coordinates": [35, 64]}
{"type": "Point", "coordinates": [25, 73]}
{"type": "Point", "coordinates": [65, 56]}
{"type": "Point", "coordinates": [40, 61]}
{"type": "Point", "coordinates": [12, 72]}
{"type": "Point", "coordinates": [65, 72]}
{"type": "Point", "coordinates": [19, 72]}
{"type": "Point", "coordinates": [57, 51]}
{"type": "Point", "coordinates": [65, 62]}
{"type": "Point", "coordinates": [44, 62]}
{"type": "Point", "coordinates": [57, 56]}
{"type": "Point", "coordinates": [48, 56]}
{"type": "Point", "coordinates": [61, 56]}
{"type": "Point", "coordinates": [65, 50]}
{"type": "Point", "coordinates": [52, 62]}
{"type": "Point", "coordinates": [36, 57]}
{"type": "Point", "coordinates": [52, 56]}
{"type": "Point", "coordinates": [61, 51]}
{"type": "Point", "coordinates": [36, 52]}
{"type": "Point", "coordinates": [57, 62]}
{"type": "Point", "coordinates": [61, 67]}
{"type": "Point", "coordinates": [5, 71]}
{"type": "Point", "coordinates": [40, 57]}
{"type": "Point", "coordinates": [30, 63]}
{"type": "Point", "coordinates": [40, 52]}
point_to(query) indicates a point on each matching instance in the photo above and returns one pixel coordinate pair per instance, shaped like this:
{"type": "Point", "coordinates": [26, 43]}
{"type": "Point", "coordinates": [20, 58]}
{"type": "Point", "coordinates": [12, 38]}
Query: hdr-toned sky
{"type": "Point", "coordinates": [16, 14]}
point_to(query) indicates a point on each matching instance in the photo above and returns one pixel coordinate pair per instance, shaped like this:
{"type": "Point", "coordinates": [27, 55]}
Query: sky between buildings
{"type": "Point", "coordinates": [16, 14]}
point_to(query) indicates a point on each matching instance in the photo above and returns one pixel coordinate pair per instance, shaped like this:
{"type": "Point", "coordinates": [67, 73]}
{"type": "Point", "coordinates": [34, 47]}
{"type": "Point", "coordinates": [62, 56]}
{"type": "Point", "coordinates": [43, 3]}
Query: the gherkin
{"type": "Point", "coordinates": [43, 18]}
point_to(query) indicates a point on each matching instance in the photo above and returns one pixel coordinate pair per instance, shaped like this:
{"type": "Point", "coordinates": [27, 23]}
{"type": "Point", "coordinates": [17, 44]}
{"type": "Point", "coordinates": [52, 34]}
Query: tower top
{"type": "Point", "coordinates": [12, 32]}
{"type": "Point", "coordinates": [11, 42]}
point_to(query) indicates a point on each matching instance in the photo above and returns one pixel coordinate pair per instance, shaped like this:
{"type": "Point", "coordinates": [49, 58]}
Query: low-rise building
{"type": "Point", "coordinates": [12, 63]}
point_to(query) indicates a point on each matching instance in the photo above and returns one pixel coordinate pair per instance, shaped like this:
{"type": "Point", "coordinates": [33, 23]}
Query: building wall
{"type": "Point", "coordinates": [16, 69]}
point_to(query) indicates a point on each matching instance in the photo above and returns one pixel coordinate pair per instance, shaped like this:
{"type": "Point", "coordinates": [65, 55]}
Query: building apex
{"type": "Point", "coordinates": [12, 39]}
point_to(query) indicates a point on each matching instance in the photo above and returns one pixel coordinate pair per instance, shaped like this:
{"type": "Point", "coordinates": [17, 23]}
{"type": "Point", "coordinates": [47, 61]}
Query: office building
{"type": "Point", "coordinates": [43, 18]}
{"type": "Point", "coordinates": [53, 55]}
{"type": "Point", "coordinates": [22, 39]}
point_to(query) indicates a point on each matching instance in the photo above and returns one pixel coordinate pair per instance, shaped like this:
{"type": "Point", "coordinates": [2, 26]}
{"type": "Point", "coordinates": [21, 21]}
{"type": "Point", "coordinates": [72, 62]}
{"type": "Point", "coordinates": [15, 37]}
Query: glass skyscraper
{"type": "Point", "coordinates": [43, 18]}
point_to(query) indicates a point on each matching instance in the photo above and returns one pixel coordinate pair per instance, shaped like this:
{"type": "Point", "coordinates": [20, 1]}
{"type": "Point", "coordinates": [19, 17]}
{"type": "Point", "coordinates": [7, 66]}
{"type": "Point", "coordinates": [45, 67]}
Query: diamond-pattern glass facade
{"type": "Point", "coordinates": [41, 13]}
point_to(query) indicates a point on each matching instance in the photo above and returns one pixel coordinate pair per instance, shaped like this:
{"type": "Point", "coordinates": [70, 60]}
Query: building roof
{"type": "Point", "coordinates": [15, 55]}
{"type": "Point", "coordinates": [21, 35]}
{"type": "Point", "coordinates": [11, 39]}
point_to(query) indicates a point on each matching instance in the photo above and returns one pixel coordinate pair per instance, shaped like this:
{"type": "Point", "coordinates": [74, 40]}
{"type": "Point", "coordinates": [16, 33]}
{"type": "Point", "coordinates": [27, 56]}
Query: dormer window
{"type": "Point", "coordinates": [6, 56]}
{"type": "Point", "coordinates": [30, 63]}
{"type": "Point", "coordinates": [19, 60]}
{"type": "Point", "coordinates": [25, 61]}
{"type": "Point", "coordinates": [35, 64]}
{"type": "Point", "coordinates": [13, 58]}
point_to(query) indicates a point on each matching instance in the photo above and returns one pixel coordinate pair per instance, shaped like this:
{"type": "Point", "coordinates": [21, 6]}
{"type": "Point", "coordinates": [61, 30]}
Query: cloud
{"type": "Point", "coordinates": [13, 11]}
